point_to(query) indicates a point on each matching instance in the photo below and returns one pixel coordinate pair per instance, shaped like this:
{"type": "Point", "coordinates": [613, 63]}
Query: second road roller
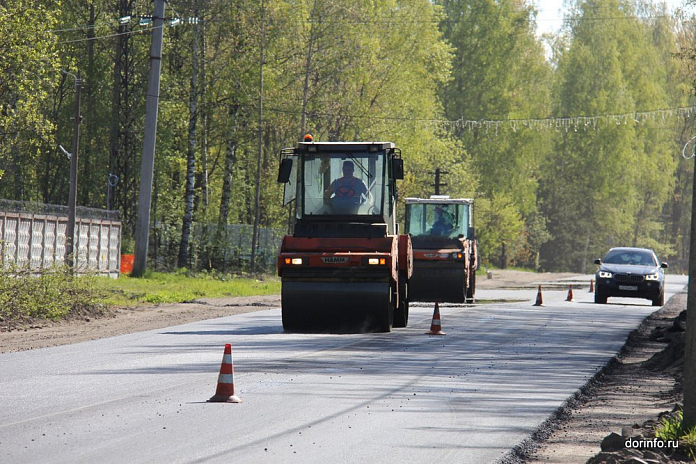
{"type": "Point", "coordinates": [445, 251]}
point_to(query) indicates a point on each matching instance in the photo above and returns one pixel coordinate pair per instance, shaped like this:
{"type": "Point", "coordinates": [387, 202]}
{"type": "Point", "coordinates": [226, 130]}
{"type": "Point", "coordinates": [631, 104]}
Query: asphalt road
{"type": "Point", "coordinates": [466, 397]}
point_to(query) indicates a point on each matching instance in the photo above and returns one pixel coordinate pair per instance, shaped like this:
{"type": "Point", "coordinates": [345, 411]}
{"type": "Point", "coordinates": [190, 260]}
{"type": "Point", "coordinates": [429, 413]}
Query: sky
{"type": "Point", "coordinates": [550, 15]}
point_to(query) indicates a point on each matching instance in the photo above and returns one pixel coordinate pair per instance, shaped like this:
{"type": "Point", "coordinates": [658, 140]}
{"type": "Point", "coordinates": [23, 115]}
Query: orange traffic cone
{"type": "Point", "coordinates": [591, 285]}
{"type": "Point", "coordinates": [539, 301]}
{"type": "Point", "coordinates": [436, 325]}
{"type": "Point", "coordinates": [570, 293]}
{"type": "Point", "coordinates": [225, 386]}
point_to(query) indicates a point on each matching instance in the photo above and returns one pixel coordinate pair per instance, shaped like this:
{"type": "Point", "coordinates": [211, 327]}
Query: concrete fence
{"type": "Point", "coordinates": [36, 240]}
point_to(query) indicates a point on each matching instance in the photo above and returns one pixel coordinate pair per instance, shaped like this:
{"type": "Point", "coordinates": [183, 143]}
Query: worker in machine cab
{"type": "Point", "coordinates": [347, 191]}
{"type": "Point", "coordinates": [443, 222]}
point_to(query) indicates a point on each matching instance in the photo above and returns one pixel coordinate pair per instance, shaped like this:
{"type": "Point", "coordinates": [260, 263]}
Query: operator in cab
{"type": "Point", "coordinates": [443, 223]}
{"type": "Point", "coordinates": [347, 191]}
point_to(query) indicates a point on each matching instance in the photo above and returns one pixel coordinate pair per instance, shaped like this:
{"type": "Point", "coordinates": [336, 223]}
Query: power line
{"type": "Point", "coordinates": [369, 21]}
{"type": "Point", "coordinates": [144, 21]}
{"type": "Point", "coordinates": [139, 31]}
{"type": "Point", "coordinates": [560, 123]}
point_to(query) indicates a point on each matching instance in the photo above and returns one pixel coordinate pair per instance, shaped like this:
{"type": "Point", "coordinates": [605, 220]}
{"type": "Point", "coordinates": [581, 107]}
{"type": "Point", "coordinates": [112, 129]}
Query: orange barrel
{"type": "Point", "coordinates": [127, 263]}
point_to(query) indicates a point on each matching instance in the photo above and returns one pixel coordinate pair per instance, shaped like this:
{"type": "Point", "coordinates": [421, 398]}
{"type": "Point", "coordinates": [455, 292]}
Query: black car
{"type": "Point", "coordinates": [630, 272]}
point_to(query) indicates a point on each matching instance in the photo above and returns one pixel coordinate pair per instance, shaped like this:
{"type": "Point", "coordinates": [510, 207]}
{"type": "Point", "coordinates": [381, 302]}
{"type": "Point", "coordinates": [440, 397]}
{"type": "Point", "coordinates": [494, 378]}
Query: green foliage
{"type": "Point", "coordinates": [672, 428]}
{"type": "Point", "coordinates": [606, 185]}
{"type": "Point", "coordinates": [499, 73]}
{"type": "Point", "coordinates": [52, 294]}
{"type": "Point", "coordinates": [181, 286]}
{"type": "Point", "coordinates": [498, 227]}
{"type": "Point", "coordinates": [30, 70]}
{"type": "Point", "coordinates": [379, 70]}
{"type": "Point", "coordinates": [28, 295]}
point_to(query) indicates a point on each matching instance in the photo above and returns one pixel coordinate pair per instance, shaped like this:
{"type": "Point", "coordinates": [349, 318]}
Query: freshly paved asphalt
{"type": "Point", "coordinates": [467, 397]}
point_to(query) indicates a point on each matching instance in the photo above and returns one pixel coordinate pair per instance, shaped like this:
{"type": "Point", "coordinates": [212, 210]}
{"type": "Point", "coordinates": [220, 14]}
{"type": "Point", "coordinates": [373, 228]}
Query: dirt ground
{"type": "Point", "coordinates": [628, 392]}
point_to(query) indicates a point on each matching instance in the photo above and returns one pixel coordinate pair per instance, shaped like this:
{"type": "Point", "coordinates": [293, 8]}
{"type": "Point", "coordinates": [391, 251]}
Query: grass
{"type": "Point", "coordinates": [54, 294]}
{"type": "Point", "coordinates": [672, 428]}
{"type": "Point", "coordinates": [483, 268]}
{"type": "Point", "coordinates": [158, 287]}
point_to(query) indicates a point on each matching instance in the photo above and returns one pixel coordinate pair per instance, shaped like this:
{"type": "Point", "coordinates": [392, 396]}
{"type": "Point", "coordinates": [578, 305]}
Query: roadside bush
{"type": "Point", "coordinates": [49, 294]}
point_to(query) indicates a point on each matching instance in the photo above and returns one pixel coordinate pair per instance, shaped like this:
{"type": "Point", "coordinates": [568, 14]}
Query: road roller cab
{"type": "Point", "coordinates": [445, 254]}
{"type": "Point", "coordinates": [344, 267]}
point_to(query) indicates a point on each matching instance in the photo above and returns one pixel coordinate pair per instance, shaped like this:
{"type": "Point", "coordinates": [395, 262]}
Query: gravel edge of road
{"type": "Point", "coordinates": [563, 415]}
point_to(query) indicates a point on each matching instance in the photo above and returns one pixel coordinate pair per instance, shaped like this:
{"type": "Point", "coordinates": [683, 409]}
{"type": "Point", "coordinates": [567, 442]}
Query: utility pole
{"type": "Point", "coordinates": [72, 196]}
{"type": "Point", "coordinates": [438, 184]}
{"type": "Point", "coordinates": [689, 419]}
{"type": "Point", "coordinates": [308, 67]}
{"type": "Point", "coordinates": [257, 201]}
{"type": "Point", "coordinates": [142, 225]}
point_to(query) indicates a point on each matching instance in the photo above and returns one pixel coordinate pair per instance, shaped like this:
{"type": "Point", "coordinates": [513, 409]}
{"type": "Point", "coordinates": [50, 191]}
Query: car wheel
{"type": "Point", "coordinates": [600, 297]}
{"type": "Point", "coordinates": [660, 300]}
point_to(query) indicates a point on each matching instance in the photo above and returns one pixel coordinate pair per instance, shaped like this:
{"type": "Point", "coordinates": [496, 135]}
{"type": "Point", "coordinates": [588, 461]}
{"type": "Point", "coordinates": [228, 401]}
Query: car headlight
{"type": "Point", "coordinates": [605, 274]}
{"type": "Point", "coordinates": [652, 277]}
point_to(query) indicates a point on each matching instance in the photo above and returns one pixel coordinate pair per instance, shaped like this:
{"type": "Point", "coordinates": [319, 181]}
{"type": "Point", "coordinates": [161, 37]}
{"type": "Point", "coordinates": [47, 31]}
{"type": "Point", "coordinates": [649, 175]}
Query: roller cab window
{"type": "Point", "coordinates": [335, 183]}
{"type": "Point", "coordinates": [437, 219]}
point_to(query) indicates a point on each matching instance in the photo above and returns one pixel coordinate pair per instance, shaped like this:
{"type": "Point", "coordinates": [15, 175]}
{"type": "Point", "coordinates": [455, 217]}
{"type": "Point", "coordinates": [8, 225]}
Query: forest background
{"type": "Point", "coordinates": [569, 143]}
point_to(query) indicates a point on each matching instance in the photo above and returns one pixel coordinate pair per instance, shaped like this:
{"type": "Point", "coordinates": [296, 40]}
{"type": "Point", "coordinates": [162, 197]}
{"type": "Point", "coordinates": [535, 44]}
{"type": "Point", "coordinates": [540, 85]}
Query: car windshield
{"type": "Point", "coordinates": [635, 258]}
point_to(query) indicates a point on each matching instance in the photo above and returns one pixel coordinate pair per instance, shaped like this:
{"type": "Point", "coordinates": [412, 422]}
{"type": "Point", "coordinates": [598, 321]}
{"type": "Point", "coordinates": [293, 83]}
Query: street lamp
{"type": "Point", "coordinates": [65, 152]}
{"type": "Point", "coordinates": [72, 197]}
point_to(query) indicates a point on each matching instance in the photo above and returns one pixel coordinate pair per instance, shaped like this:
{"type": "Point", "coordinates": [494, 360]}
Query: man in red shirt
{"type": "Point", "coordinates": [346, 191]}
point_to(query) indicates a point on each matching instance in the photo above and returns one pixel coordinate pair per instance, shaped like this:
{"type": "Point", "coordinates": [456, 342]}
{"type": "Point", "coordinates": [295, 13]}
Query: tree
{"type": "Point", "coordinates": [499, 75]}
{"type": "Point", "coordinates": [30, 70]}
{"type": "Point", "coordinates": [197, 88]}
{"type": "Point", "coordinates": [607, 181]}
{"type": "Point", "coordinates": [367, 74]}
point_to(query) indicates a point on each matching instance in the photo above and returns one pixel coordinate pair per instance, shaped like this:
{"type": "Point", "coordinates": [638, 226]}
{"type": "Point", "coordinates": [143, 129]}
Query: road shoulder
{"type": "Point", "coordinates": [625, 394]}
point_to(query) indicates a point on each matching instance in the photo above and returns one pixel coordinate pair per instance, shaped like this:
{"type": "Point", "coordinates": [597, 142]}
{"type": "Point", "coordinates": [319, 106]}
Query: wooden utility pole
{"type": "Point", "coordinates": [308, 68]}
{"type": "Point", "coordinates": [72, 196]}
{"type": "Point", "coordinates": [257, 201]}
{"type": "Point", "coordinates": [438, 183]}
{"type": "Point", "coordinates": [142, 226]}
{"type": "Point", "coordinates": [690, 335]}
